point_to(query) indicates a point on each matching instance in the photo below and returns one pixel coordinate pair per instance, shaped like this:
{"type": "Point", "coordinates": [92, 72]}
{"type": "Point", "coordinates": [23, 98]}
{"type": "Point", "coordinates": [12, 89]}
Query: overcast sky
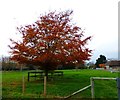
{"type": "Point", "coordinates": [99, 18]}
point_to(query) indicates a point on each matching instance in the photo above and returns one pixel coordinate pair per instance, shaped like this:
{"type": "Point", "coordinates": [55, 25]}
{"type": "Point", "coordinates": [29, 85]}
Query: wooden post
{"type": "Point", "coordinates": [23, 81]}
{"type": "Point", "coordinates": [45, 86]}
{"type": "Point", "coordinates": [118, 86]}
{"type": "Point", "coordinates": [0, 85]}
{"type": "Point", "coordinates": [23, 84]}
{"type": "Point", "coordinates": [92, 87]}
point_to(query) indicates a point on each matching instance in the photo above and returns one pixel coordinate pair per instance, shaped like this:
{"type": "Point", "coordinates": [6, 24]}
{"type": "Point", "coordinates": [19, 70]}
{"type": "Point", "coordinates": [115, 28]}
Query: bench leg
{"type": "Point", "coordinates": [28, 76]}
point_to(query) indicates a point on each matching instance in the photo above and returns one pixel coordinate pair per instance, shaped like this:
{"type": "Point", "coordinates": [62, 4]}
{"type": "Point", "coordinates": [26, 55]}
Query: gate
{"type": "Point", "coordinates": [92, 86]}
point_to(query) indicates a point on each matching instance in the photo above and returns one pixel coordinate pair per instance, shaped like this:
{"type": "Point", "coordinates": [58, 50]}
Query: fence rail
{"type": "Point", "coordinates": [78, 91]}
{"type": "Point", "coordinates": [97, 78]}
{"type": "Point", "coordinates": [102, 78]}
{"type": "Point", "coordinates": [92, 86]}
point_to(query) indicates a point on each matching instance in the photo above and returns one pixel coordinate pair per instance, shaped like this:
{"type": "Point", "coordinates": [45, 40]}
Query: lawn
{"type": "Point", "coordinates": [59, 87]}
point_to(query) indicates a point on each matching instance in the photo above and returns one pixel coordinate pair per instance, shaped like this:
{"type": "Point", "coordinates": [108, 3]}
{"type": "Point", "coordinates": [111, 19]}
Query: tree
{"type": "Point", "coordinates": [50, 41]}
{"type": "Point", "coordinates": [7, 65]}
{"type": "Point", "coordinates": [100, 60]}
{"type": "Point", "coordinates": [90, 65]}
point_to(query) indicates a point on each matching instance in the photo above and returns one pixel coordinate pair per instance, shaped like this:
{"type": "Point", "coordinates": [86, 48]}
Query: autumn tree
{"type": "Point", "coordinates": [100, 60]}
{"type": "Point", "coordinates": [52, 40]}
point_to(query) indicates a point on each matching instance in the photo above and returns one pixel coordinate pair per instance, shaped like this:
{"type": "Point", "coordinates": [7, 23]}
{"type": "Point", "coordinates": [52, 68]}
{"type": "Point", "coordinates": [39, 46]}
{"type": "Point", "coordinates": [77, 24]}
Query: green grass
{"type": "Point", "coordinates": [72, 81]}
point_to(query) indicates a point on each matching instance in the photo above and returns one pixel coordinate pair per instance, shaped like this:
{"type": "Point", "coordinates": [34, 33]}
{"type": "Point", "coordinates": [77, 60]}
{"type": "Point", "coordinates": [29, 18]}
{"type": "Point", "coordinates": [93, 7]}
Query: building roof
{"type": "Point", "coordinates": [113, 63]}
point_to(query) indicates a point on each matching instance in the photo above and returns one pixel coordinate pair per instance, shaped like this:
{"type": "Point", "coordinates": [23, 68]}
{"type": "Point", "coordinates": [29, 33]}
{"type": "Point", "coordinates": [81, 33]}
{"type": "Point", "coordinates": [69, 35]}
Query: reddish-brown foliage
{"type": "Point", "coordinates": [50, 41]}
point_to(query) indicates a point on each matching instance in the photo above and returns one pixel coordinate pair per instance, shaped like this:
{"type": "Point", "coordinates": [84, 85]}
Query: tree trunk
{"type": "Point", "coordinates": [46, 74]}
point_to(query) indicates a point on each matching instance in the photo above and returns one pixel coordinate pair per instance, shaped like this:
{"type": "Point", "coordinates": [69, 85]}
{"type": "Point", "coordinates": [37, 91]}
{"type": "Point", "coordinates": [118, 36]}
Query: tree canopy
{"type": "Point", "coordinates": [100, 60]}
{"type": "Point", "coordinates": [52, 40]}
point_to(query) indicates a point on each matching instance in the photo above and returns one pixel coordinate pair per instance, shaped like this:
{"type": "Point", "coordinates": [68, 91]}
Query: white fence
{"type": "Point", "coordinates": [92, 83]}
{"type": "Point", "coordinates": [92, 86]}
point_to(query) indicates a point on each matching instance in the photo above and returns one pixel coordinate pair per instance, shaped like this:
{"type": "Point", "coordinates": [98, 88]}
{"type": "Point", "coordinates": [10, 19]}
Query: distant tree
{"type": "Point", "coordinates": [7, 65]}
{"type": "Point", "coordinates": [30, 66]}
{"type": "Point", "coordinates": [50, 41]}
{"type": "Point", "coordinates": [91, 65]}
{"type": "Point", "coordinates": [68, 66]}
{"type": "Point", "coordinates": [100, 60]}
{"type": "Point", "coordinates": [81, 66]}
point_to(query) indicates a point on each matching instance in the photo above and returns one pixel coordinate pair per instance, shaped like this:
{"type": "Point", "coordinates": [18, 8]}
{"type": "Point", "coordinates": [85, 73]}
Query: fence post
{"type": "Point", "coordinates": [92, 87]}
{"type": "Point", "coordinates": [23, 84]}
{"type": "Point", "coordinates": [45, 86]}
{"type": "Point", "coordinates": [118, 86]}
{"type": "Point", "coordinates": [23, 80]}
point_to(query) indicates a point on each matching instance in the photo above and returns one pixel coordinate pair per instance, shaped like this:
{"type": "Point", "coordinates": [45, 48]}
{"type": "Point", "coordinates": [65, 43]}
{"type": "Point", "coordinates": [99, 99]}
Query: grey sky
{"type": "Point", "coordinates": [99, 18]}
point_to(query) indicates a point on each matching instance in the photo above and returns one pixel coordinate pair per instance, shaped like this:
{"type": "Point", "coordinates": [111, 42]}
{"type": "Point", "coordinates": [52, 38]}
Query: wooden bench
{"type": "Point", "coordinates": [58, 73]}
{"type": "Point", "coordinates": [35, 74]}
{"type": "Point", "coordinates": [40, 74]}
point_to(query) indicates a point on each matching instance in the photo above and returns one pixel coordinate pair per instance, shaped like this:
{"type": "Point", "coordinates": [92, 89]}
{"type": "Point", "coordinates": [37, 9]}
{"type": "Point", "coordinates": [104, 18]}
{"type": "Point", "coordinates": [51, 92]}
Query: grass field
{"type": "Point", "coordinates": [71, 81]}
